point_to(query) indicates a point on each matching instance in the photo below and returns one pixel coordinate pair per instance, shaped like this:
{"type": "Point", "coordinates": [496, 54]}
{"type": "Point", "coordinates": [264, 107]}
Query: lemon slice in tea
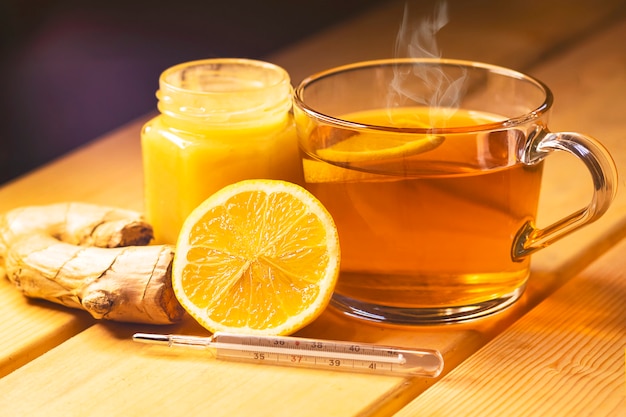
{"type": "Point", "coordinates": [257, 257]}
{"type": "Point", "coordinates": [375, 145]}
{"type": "Point", "coordinates": [363, 147]}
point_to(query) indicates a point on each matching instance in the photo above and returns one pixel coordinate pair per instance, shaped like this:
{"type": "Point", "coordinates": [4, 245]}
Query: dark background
{"type": "Point", "coordinates": [73, 70]}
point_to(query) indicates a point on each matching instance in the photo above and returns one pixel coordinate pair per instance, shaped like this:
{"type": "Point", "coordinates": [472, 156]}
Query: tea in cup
{"type": "Point", "coordinates": [432, 169]}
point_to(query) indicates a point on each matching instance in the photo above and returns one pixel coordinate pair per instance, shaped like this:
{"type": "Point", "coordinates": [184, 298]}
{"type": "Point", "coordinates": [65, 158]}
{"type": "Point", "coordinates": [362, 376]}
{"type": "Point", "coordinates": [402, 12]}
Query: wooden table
{"type": "Point", "coordinates": [559, 351]}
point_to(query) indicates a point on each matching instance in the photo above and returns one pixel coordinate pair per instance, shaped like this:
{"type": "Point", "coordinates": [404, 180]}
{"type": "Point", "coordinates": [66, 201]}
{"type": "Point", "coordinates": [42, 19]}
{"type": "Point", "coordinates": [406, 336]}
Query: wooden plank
{"type": "Point", "coordinates": [564, 358]}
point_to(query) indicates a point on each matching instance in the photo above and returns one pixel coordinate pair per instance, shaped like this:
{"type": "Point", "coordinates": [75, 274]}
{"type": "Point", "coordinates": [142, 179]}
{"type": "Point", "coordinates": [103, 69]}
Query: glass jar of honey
{"type": "Point", "coordinates": [220, 121]}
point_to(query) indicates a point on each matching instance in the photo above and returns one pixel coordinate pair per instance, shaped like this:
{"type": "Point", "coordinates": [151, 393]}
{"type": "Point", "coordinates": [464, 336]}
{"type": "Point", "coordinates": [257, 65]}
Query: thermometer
{"type": "Point", "coordinates": [310, 353]}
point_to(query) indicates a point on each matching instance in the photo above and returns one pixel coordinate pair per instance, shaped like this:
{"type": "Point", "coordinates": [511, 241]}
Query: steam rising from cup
{"type": "Point", "coordinates": [425, 85]}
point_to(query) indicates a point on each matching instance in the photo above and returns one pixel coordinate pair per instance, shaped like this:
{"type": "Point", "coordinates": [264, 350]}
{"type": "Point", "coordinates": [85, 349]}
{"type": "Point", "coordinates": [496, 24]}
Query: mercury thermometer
{"type": "Point", "coordinates": [310, 353]}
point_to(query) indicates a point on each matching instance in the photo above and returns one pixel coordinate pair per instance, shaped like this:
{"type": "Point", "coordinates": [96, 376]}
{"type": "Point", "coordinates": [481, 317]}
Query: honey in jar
{"type": "Point", "coordinates": [220, 121]}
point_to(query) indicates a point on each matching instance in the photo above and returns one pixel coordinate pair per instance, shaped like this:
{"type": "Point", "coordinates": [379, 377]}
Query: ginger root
{"type": "Point", "coordinates": [89, 257]}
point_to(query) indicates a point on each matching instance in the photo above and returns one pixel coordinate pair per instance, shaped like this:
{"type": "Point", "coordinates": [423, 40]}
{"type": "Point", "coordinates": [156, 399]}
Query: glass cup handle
{"type": "Point", "coordinates": [598, 161]}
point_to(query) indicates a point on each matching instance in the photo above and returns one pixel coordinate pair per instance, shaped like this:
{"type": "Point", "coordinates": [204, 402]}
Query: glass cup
{"type": "Point", "coordinates": [432, 170]}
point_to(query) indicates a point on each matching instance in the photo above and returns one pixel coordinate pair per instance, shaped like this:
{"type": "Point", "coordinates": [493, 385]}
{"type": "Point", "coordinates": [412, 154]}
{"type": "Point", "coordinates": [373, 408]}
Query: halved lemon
{"type": "Point", "coordinates": [257, 257]}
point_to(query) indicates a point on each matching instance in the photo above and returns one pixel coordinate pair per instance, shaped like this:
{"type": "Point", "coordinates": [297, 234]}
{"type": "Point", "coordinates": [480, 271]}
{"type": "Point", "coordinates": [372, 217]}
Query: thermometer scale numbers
{"type": "Point", "coordinates": [309, 353]}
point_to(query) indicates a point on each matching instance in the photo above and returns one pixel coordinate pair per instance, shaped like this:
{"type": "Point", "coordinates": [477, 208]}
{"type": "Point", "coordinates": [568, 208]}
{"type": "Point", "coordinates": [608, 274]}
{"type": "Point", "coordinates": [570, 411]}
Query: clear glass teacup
{"type": "Point", "coordinates": [432, 170]}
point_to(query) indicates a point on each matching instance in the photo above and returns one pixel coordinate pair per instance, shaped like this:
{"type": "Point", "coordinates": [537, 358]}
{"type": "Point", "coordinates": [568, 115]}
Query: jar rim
{"type": "Point", "coordinates": [273, 75]}
{"type": "Point", "coordinates": [224, 91]}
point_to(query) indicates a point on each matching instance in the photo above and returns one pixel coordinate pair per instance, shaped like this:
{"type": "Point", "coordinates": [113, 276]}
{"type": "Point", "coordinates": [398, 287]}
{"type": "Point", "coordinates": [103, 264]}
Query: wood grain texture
{"type": "Point", "coordinates": [564, 358]}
